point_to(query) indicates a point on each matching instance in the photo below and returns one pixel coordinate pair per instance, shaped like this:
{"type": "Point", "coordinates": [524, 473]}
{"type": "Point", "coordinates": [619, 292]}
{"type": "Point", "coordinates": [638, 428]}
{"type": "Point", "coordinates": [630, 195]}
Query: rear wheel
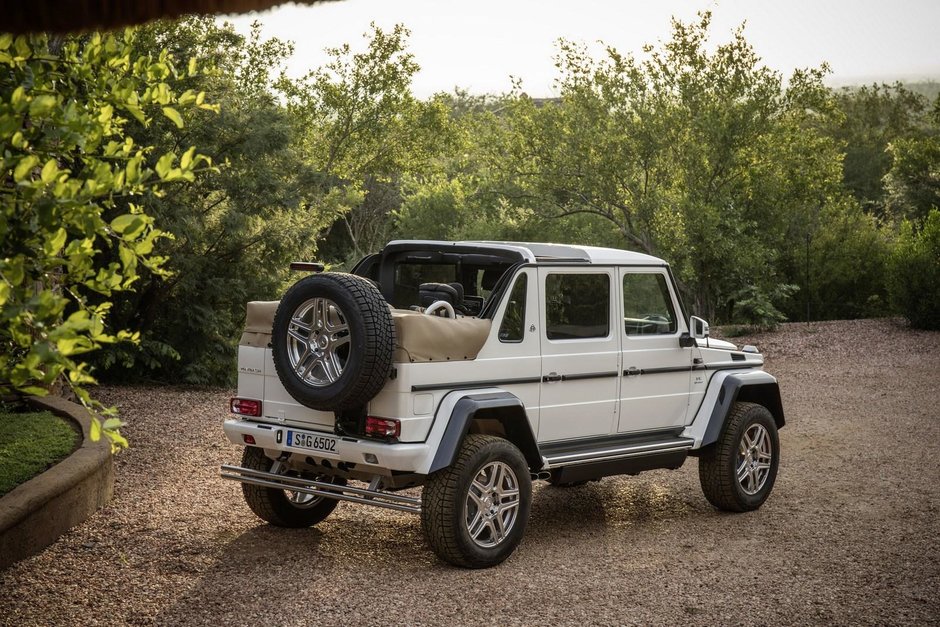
{"type": "Point", "coordinates": [739, 471]}
{"type": "Point", "coordinates": [284, 508]}
{"type": "Point", "coordinates": [474, 512]}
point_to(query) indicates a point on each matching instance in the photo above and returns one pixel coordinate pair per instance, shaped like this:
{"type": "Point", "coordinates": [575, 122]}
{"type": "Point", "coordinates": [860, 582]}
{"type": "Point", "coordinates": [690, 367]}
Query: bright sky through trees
{"type": "Point", "coordinates": [478, 45]}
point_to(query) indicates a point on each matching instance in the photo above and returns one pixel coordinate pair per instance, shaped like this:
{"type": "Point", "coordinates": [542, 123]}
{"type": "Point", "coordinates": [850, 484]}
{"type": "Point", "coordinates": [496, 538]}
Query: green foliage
{"type": "Point", "coordinates": [308, 167]}
{"type": "Point", "coordinates": [747, 183]}
{"type": "Point", "coordinates": [364, 131]}
{"type": "Point", "coordinates": [871, 119]}
{"type": "Point", "coordinates": [30, 442]}
{"type": "Point", "coordinates": [699, 155]}
{"type": "Point", "coordinates": [914, 271]}
{"type": "Point", "coordinates": [73, 232]}
{"type": "Point", "coordinates": [913, 183]}
{"type": "Point", "coordinates": [755, 308]}
{"type": "Point", "coordinates": [234, 229]}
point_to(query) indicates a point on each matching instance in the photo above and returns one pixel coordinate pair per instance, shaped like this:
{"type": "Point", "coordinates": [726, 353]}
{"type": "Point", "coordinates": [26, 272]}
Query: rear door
{"type": "Point", "coordinates": [580, 352]}
{"type": "Point", "coordinates": [654, 393]}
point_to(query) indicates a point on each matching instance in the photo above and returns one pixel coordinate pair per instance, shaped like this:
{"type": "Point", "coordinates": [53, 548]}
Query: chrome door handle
{"type": "Point", "coordinates": [552, 376]}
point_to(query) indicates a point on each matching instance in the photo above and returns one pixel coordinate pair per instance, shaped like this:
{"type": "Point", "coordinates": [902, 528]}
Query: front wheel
{"type": "Point", "coordinates": [738, 472]}
{"type": "Point", "coordinates": [474, 512]}
{"type": "Point", "coordinates": [284, 508]}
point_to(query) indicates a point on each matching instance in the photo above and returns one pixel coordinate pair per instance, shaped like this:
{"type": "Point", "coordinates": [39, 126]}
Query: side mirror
{"type": "Point", "coordinates": [699, 328]}
{"type": "Point", "coordinates": [686, 341]}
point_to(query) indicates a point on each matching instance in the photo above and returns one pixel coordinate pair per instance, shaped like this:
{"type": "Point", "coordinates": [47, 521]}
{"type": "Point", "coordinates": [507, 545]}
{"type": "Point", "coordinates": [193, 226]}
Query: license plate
{"type": "Point", "coordinates": [311, 441]}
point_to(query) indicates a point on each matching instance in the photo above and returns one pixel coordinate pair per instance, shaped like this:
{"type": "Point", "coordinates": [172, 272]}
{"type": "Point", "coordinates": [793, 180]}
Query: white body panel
{"type": "Point", "coordinates": [403, 457]}
{"type": "Point", "coordinates": [659, 398]}
{"type": "Point", "coordinates": [579, 408]}
{"type": "Point", "coordinates": [699, 423]}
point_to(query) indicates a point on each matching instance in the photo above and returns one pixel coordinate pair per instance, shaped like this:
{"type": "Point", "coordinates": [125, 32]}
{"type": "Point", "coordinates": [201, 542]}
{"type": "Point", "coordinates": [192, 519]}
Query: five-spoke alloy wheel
{"type": "Point", "coordinates": [492, 504]}
{"type": "Point", "coordinates": [332, 341]}
{"type": "Point", "coordinates": [474, 512]}
{"type": "Point", "coordinates": [318, 342]}
{"type": "Point", "coordinates": [738, 472]}
{"type": "Point", "coordinates": [755, 454]}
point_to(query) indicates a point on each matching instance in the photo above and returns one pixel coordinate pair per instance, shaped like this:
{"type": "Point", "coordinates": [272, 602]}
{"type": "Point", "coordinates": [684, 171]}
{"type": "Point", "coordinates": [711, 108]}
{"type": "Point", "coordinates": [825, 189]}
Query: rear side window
{"type": "Point", "coordinates": [577, 306]}
{"type": "Point", "coordinates": [647, 305]}
{"type": "Point", "coordinates": [512, 328]}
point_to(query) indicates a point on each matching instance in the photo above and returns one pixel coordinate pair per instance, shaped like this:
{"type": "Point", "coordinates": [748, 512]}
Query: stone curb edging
{"type": "Point", "coordinates": [33, 515]}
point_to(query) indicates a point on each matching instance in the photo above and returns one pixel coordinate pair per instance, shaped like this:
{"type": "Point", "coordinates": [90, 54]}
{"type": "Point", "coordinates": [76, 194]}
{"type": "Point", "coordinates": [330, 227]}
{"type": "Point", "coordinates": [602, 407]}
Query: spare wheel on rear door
{"type": "Point", "coordinates": [332, 341]}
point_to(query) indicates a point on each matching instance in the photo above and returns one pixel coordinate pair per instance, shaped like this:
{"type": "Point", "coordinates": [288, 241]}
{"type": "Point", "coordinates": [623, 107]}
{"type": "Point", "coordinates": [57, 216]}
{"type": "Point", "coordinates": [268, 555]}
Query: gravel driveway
{"type": "Point", "coordinates": [851, 533]}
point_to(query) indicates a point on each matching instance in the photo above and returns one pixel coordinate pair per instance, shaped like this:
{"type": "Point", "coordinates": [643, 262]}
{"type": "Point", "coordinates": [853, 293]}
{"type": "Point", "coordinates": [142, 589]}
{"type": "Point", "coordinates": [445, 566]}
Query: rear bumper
{"type": "Point", "coordinates": [411, 457]}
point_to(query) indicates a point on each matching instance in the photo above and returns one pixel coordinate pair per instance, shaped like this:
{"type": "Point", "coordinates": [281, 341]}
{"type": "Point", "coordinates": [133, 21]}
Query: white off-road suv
{"type": "Point", "coordinates": [474, 368]}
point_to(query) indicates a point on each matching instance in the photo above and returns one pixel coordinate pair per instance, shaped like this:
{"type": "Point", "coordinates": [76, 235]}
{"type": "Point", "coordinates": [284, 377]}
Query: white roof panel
{"type": "Point", "coordinates": [535, 252]}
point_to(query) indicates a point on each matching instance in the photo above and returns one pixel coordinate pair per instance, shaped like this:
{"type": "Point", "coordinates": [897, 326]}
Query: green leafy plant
{"type": "Point", "coordinates": [757, 308]}
{"type": "Point", "coordinates": [914, 273]}
{"type": "Point", "coordinates": [73, 231]}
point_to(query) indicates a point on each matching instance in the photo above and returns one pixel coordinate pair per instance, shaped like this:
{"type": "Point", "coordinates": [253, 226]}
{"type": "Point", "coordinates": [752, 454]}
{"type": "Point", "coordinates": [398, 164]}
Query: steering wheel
{"type": "Point", "coordinates": [439, 305]}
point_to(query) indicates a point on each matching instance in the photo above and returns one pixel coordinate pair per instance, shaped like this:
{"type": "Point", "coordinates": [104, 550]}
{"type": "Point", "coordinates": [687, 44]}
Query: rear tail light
{"type": "Point", "coordinates": [246, 407]}
{"type": "Point", "coordinates": [382, 427]}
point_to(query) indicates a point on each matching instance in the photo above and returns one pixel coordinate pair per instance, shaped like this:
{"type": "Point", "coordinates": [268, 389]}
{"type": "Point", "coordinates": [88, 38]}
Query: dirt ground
{"type": "Point", "coordinates": [851, 533]}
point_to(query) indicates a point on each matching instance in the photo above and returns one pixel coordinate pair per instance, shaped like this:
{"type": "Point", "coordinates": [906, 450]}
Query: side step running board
{"type": "Point", "coordinates": [618, 452]}
{"type": "Point", "coordinates": [377, 498]}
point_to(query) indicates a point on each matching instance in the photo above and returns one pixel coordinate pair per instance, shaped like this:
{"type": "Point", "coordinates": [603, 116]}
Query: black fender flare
{"type": "Point", "coordinates": [501, 406]}
{"type": "Point", "coordinates": [745, 388]}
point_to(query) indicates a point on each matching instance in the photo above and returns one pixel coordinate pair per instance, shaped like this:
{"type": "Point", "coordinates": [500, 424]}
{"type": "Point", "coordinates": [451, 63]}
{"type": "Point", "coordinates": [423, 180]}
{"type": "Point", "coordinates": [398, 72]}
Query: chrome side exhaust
{"type": "Point", "coordinates": [377, 498]}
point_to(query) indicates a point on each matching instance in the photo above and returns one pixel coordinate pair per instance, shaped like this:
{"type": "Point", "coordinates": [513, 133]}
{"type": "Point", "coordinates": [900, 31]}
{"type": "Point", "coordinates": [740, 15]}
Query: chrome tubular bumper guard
{"type": "Point", "coordinates": [376, 498]}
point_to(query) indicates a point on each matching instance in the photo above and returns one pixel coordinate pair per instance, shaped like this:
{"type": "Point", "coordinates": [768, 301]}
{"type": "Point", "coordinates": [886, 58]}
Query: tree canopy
{"type": "Point", "coordinates": [136, 218]}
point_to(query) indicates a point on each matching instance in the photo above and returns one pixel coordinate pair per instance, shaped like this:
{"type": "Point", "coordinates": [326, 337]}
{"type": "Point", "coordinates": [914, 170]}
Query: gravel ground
{"type": "Point", "coordinates": [850, 534]}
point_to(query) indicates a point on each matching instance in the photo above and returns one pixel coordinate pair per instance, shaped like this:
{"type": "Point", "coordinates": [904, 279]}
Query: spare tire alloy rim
{"type": "Point", "coordinates": [318, 342]}
{"type": "Point", "coordinates": [754, 457]}
{"type": "Point", "coordinates": [492, 504]}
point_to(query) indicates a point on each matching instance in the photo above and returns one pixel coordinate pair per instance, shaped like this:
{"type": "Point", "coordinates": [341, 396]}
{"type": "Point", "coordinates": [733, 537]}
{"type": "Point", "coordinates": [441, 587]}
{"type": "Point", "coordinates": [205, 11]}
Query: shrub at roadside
{"type": "Point", "coordinates": [914, 273]}
{"type": "Point", "coordinates": [72, 233]}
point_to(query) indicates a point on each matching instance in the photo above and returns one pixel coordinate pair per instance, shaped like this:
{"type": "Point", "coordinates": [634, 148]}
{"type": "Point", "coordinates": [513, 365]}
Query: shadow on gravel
{"type": "Point", "coordinates": [612, 502]}
{"type": "Point", "coordinates": [279, 568]}
{"type": "Point", "coordinates": [261, 563]}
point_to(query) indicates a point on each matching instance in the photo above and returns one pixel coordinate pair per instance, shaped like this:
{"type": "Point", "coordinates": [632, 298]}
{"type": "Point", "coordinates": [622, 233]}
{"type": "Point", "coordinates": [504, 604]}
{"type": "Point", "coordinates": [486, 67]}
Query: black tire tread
{"type": "Point", "coordinates": [441, 502]}
{"type": "Point", "coordinates": [717, 484]}
{"type": "Point", "coordinates": [271, 505]}
{"type": "Point", "coordinates": [379, 344]}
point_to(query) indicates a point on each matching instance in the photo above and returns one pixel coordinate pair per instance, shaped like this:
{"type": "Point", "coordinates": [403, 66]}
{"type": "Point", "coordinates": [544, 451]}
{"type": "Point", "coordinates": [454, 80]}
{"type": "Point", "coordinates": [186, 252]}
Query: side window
{"type": "Point", "coordinates": [647, 305]}
{"type": "Point", "coordinates": [512, 328]}
{"type": "Point", "coordinates": [577, 306]}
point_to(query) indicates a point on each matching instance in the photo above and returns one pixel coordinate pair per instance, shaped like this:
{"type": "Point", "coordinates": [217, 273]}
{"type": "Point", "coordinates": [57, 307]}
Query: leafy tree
{"type": "Point", "coordinates": [913, 183]}
{"type": "Point", "coordinates": [364, 131]}
{"type": "Point", "coordinates": [703, 157]}
{"type": "Point", "coordinates": [915, 273]}
{"type": "Point", "coordinates": [235, 229]}
{"type": "Point", "coordinates": [73, 231]}
{"type": "Point", "coordinates": [872, 118]}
